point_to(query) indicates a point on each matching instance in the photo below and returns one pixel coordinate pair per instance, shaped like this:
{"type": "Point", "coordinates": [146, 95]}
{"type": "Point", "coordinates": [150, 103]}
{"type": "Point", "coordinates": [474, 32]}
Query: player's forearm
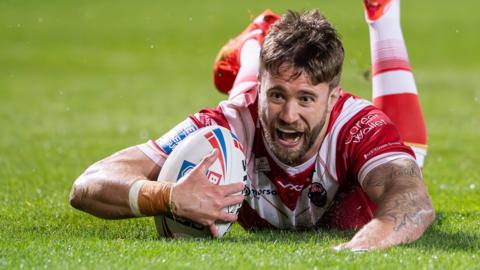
{"type": "Point", "coordinates": [404, 209]}
{"type": "Point", "coordinates": [113, 200]}
{"type": "Point", "coordinates": [408, 212]}
{"type": "Point", "coordinates": [104, 188]}
{"type": "Point", "coordinates": [103, 194]}
{"type": "Point", "coordinates": [401, 217]}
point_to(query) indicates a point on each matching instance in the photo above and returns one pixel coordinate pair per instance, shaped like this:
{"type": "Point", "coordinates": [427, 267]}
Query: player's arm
{"type": "Point", "coordinates": [404, 209]}
{"type": "Point", "coordinates": [105, 190]}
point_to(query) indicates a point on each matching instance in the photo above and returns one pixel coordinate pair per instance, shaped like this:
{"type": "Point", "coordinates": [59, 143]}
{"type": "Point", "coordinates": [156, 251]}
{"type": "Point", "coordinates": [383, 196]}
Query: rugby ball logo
{"type": "Point", "coordinates": [228, 168]}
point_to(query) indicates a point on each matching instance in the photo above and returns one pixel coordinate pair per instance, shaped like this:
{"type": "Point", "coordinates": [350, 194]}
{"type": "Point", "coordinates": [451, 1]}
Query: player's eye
{"type": "Point", "coordinates": [275, 96]}
{"type": "Point", "coordinates": [305, 100]}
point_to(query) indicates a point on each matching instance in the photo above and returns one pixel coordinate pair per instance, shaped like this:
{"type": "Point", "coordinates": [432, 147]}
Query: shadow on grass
{"type": "Point", "coordinates": [448, 241]}
{"type": "Point", "coordinates": [286, 236]}
{"type": "Point", "coordinates": [445, 234]}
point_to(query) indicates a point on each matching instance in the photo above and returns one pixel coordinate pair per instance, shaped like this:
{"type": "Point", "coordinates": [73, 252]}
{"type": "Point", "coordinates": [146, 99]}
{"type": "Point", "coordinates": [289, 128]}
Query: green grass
{"type": "Point", "coordinates": [82, 79]}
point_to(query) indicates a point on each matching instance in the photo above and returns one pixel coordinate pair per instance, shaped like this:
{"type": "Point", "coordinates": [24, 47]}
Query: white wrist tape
{"type": "Point", "coordinates": [133, 197]}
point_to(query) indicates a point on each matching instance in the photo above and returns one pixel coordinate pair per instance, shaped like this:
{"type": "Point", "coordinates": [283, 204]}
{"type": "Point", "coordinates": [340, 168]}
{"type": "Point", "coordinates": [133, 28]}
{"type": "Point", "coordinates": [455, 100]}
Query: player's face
{"type": "Point", "coordinates": [293, 114]}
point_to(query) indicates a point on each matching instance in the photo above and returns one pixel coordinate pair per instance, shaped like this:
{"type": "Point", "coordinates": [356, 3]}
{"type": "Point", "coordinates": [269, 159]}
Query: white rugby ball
{"type": "Point", "coordinates": [229, 167]}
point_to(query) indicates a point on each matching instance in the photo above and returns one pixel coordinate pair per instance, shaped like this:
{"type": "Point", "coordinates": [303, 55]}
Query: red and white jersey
{"type": "Point", "coordinates": [325, 191]}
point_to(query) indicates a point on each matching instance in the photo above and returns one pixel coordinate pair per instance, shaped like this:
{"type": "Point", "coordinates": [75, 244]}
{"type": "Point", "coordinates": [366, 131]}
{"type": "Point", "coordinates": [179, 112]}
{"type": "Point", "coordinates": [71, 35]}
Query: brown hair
{"type": "Point", "coordinates": [307, 42]}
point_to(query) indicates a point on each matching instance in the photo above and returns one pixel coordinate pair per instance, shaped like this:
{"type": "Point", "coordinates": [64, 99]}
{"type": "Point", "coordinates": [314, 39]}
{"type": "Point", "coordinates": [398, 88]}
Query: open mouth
{"type": "Point", "coordinates": [288, 137]}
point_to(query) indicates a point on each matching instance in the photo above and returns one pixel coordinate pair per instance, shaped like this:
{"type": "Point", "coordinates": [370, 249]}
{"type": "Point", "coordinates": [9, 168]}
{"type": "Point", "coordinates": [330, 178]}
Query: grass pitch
{"type": "Point", "coordinates": [82, 79]}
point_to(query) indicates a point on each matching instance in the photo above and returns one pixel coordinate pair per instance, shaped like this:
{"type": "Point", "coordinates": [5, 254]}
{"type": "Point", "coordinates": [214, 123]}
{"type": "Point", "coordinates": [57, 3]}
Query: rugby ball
{"type": "Point", "coordinates": [229, 167]}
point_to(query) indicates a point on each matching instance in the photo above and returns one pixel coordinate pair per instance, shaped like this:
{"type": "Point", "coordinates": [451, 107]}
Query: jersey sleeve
{"type": "Point", "coordinates": [236, 114]}
{"type": "Point", "coordinates": [158, 150]}
{"type": "Point", "coordinates": [371, 140]}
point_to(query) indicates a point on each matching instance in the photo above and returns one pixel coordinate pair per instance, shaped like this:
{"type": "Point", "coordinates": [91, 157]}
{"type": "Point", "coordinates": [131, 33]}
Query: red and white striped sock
{"type": "Point", "coordinates": [394, 88]}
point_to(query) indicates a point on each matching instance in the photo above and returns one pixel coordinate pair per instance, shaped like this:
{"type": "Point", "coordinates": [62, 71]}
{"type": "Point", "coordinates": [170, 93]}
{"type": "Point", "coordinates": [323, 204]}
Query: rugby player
{"type": "Point", "coordinates": [317, 155]}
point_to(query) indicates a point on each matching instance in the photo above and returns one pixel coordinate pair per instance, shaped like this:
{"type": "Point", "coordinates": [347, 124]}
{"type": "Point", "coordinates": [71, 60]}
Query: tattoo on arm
{"type": "Point", "coordinates": [397, 188]}
{"type": "Point", "coordinates": [407, 209]}
{"type": "Point", "coordinates": [391, 172]}
{"type": "Point", "coordinates": [410, 170]}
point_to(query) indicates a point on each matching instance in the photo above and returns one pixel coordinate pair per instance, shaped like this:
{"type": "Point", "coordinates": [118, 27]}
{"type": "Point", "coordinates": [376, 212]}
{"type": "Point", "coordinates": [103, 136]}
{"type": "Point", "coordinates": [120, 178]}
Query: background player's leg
{"type": "Point", "coordinates": [249, 66]}
{"type": "Point", "coordinates": [238, 60]}
{"type": "Point", "coordinates": [394, 88]}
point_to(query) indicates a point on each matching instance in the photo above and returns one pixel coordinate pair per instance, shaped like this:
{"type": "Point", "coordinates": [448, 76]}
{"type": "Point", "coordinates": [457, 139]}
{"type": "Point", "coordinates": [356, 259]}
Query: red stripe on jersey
{"type": "Point", "coordinates": [289, 187]}
{"type": "Point", "coordinates": [404, 110]}
{"type": "Point", "coordinates": [210, 116]}
{"type": "Point", "coordinates": [196, 121]}
{"type": "Point", "coordinates": [158, 147]}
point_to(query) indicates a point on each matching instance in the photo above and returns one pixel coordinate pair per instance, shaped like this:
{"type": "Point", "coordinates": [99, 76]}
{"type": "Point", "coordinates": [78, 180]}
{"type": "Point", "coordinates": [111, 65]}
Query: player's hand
{"type": "Point", "coordinates": [353, 246]}
{"type": "Point", "coordinates": [358, 245]}
{"type": "Point", "coordinates": [375, 235]}
{"type": "Point", "coordinates": [195, 198]}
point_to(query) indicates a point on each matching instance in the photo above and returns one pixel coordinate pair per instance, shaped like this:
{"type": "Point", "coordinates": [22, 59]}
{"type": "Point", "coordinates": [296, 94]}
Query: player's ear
{"type": "Point", "coordinates": [333, 97]}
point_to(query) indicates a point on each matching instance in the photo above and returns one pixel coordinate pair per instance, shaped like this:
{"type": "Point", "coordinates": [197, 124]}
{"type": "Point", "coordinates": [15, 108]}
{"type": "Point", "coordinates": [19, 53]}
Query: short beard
{"type": "Point", "coordinates": [287, 156]}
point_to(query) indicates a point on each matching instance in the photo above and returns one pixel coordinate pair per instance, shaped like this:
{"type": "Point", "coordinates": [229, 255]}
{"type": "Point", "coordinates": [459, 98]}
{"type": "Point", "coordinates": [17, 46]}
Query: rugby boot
{"type": "Point", "coordinates": [227, 62]}
{"type": "Point", "coordinates": [374, 9]}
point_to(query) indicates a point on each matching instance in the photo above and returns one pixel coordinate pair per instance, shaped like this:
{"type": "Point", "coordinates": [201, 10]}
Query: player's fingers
{"type": "Point", "coordinates": [207, 161]}
{"type": "Point", "coordinates": [213, 230]}
{"type": "Point", "coordinates": [224, 216]}
{"type": "Point", "coordinates": [232, 200]}
{"type": "Point", "coordinates": [232, 188]}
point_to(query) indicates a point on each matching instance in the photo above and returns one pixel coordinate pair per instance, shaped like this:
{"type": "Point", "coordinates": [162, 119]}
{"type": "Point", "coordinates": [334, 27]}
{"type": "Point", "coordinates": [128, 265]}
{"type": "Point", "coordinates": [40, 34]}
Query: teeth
{"type": "Point", "coordinates": [287, 130]}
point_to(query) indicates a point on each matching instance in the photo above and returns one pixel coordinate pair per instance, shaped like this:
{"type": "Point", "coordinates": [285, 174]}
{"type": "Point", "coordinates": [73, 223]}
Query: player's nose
{"type": "Point", "coordinates": [289, 113]}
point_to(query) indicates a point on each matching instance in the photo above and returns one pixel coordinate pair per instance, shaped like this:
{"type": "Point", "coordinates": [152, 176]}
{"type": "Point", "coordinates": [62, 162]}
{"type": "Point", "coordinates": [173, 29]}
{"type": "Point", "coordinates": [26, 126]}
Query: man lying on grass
{"type": "Point", "coordinates": [317, 156]}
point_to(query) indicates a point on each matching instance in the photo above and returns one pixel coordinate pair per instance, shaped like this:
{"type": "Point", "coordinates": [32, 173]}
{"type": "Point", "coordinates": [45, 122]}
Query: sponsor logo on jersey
{"type": "Point", "coordinates": [247, 191]}
{"type": "Point", "coordinates": [169, 141]}
{"type": "Point", "coordinates": [378, 148]}
{"type": "Point", "coordinates": [363, 127]}
{"type": "Point", "coordinates": [290, 186]}
{"type": "Point", "coordinates": [317, 194]}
